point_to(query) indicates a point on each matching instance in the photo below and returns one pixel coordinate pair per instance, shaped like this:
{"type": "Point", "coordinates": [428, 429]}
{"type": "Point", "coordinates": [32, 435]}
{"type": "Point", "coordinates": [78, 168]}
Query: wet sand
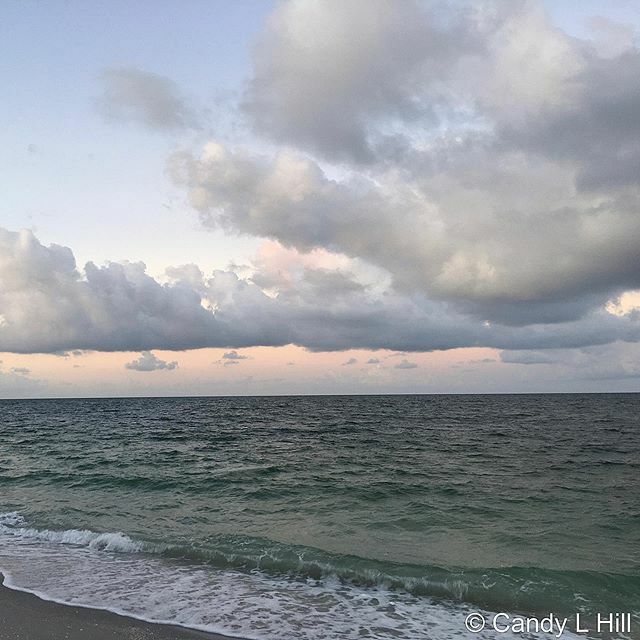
{"type": "Point", "coordinates": [24, 616]}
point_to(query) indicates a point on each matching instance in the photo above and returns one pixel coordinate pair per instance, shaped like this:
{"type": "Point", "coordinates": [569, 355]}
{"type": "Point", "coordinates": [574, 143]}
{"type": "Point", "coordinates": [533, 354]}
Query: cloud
{"type": "Point", "coordinates": [233, 355]}
{"type": "Point", "coordinates": [428, 175]}
{"type": "Point", "coordinates": [472, 239]}
{"type": "Point", "coordinates": [615, 361]}
{"type": "Point", "coordinates": [611, 38]}
{"type": "Point", "coordinates": [613, 373]}
{"type": "Point", "coordinates": [48, 305]}
{"type": "Point", "coordinates": [150, 362]}
{"type": "Point", "coordinates": [149, 99]}
{"type": "Point", "coordinates": [374, 80]}
{"type": "Point", "coordinates": [405, 364]}
{"type": "Point", "coordinates": [527, 357]}
{"type": "Point", "coordinates": [230, 358]}
{"type": "Point", "coordinates": [19, 385]}
{"type": "Point", "coordinates": [325, 73]}
{"type": "Point", "coordinates": [373, 361]}
{"type": "Point", "coordinates": [23, 371]}
{"type": "Point", "coordinates": [76, 353]}
{"type": "Point", "coordinates": [349, 362]}
{"type": "Point", "coordinates": [481, 157]}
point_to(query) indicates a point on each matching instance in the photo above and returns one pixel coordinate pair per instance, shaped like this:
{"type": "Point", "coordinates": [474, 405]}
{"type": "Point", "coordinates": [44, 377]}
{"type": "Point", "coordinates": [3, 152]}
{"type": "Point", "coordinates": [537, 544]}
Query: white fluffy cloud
{"type": "Point", "coordinates": [485, 157]}
{"type": "Point", "coordinates": [325, 72]}
{"type": "Point", "coordinates": [48, 305]}
{"type": "Point", "coordinates": [520, 247]}
{"type": "Point", "coordinates": [365, 80]}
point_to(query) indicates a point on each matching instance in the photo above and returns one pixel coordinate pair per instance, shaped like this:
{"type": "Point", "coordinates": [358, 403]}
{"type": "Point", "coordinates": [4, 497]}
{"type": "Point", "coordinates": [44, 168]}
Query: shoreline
{"type": "Point", "coordinates": [26, 616]}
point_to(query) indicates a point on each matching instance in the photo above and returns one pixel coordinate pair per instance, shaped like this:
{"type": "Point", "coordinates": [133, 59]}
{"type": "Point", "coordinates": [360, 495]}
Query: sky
{"type": "Point", "coordinates": [355, 196]}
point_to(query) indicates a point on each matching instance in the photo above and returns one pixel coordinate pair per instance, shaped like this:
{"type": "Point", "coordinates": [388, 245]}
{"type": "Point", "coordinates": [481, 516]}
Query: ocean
{"type": "Point", "coordinates": [308, 518]}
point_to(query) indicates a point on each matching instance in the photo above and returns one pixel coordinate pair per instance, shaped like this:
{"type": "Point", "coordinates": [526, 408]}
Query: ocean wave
{"type": "Point", "coordinates": [509, 588]}
{"type": "Point", "coordinates": [14, 524]}
{"type": "Point", "coordinates": [64, 566]}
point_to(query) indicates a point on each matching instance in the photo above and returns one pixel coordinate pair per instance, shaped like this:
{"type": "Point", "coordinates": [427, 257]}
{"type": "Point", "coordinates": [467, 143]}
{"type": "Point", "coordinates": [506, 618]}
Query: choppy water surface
{"type": "Point", "coordinates": [325, 517]}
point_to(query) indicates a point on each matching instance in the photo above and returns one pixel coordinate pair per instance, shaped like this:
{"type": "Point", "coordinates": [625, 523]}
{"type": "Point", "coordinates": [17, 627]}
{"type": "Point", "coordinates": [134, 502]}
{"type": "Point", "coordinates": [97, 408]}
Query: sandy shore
{"type": "Point", "coordinates": [24, 616]}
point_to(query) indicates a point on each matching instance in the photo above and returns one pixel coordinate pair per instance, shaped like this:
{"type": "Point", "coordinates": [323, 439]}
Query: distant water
{"type": "Point", "coordinates": [325, 517]}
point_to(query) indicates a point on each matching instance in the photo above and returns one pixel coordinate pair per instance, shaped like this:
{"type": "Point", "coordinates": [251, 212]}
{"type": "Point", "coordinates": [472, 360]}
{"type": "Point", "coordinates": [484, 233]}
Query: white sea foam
{"type": "Point", "coordinates": [79, 567]}
{"type": "Point", "coordinates": [13, 523]}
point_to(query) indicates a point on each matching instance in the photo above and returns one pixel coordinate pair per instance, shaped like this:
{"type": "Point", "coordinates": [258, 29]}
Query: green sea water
{"type": "Point", "coordinates": [325, 517]}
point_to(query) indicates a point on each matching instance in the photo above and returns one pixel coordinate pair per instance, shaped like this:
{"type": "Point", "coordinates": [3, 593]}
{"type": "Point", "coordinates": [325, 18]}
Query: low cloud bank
{"type": "Point", "coordinates": [49, 305]}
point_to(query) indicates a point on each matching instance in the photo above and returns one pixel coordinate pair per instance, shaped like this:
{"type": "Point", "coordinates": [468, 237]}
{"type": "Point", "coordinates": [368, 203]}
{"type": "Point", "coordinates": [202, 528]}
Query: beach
{"type": "Point", "coordinates": [24, 616]}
